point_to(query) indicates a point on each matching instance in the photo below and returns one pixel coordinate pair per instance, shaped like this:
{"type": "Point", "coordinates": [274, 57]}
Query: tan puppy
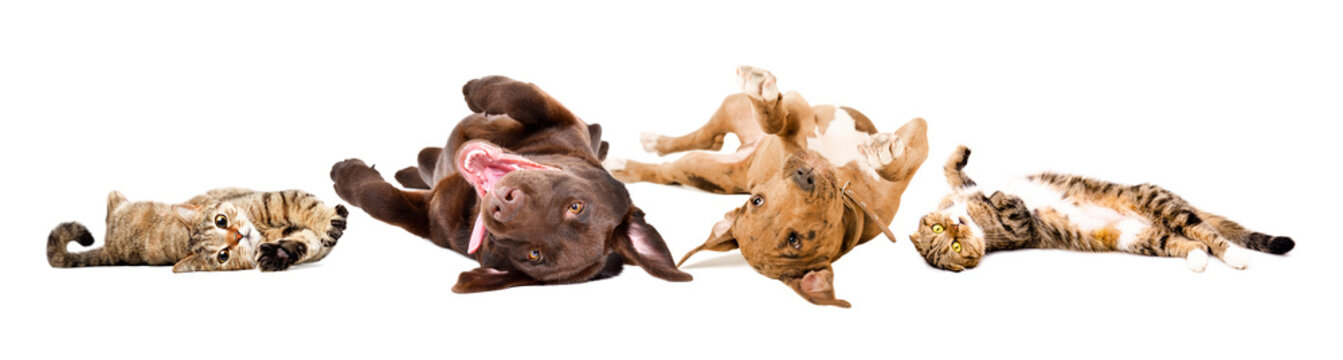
{"type": "Point", "coordinates": [817, 177]}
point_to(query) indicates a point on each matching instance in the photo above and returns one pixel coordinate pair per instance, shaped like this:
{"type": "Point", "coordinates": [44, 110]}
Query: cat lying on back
{"type": "Point", "coordinates": [1077, 213]}
{"type": "Point", "coordinates": [225, 229]}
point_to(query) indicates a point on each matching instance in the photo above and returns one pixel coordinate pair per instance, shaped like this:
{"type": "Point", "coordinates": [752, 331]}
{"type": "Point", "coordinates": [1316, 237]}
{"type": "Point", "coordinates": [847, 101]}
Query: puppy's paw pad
{"type": "Point", "coordinates": [649, 141]}
{"type": "Point", "coordinates": [882, 149]}
{"type": "Point", "coordinates": [1236, 258]}
{"type": "Point", "coordinates": [1196, 260]}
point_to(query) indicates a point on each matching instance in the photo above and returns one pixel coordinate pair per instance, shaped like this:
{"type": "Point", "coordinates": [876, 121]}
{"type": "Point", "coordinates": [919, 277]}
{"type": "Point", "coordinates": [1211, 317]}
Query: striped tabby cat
{"type": "Point", "coordinates": [224, 229]}
{"type": "Point", "coordinates": [1077, 213]}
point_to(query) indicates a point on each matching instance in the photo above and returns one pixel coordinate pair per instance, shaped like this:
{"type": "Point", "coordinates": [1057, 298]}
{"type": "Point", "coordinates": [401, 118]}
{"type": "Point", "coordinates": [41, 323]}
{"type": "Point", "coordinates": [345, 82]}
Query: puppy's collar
{"type": "Point", "coordinates": [863, 207]}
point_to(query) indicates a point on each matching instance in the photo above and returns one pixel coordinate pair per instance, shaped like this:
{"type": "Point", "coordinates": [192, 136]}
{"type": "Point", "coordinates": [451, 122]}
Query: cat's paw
{"type": "Point", "coordinates": [1196, 260]}
{"type": "Point", "coordinates": [279, 255]}
{"type": "Point", "coordinates": [757, 83]}
{"type": "Point", "coordinates": [882, 149]}
{"type": "Point", "coordinates": [1237, 258]}
{"type": "Point", "coordinates": [337, 226]}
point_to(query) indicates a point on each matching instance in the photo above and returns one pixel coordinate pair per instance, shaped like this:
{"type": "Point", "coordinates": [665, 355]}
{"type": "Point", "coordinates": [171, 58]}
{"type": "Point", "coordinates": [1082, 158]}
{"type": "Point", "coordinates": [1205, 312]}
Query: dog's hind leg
{"type": "Point", "coordinates": [715, 173]}
{"type": "Point", "coordinates": [363, 187]}
{"type": "Point", "coordinates": [735, 116]}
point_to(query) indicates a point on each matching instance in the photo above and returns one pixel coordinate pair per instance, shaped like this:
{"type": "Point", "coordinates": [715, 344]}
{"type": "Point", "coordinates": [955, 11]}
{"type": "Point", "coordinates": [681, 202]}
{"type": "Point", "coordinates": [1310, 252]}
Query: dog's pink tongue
{"type": "Point", "coordinates": [477, 235]}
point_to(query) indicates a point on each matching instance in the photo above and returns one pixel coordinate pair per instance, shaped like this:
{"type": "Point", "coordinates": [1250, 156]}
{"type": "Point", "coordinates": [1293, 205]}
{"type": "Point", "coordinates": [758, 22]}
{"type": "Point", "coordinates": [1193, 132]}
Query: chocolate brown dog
{"type": "Point", "coordinates": [821, 180]}
{"type": "Point", "coordinates": [521, 190]}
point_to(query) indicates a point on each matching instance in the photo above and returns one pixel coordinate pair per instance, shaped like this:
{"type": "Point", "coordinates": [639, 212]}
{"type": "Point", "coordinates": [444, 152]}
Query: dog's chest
{"type": "Point", "coordinates": [839, 141]}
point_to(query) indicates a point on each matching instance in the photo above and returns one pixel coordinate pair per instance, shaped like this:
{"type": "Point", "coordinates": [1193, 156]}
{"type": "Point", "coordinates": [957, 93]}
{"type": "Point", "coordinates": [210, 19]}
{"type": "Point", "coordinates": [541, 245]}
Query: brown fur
{"type": "Point", "coordinates": [1175, 228]}
{"type": "Point", "coordinates": [225, 229]}
{"type": "Point", "coordinates": [804, 212]}
{"type": "Point", "coordinates": [531, 240]}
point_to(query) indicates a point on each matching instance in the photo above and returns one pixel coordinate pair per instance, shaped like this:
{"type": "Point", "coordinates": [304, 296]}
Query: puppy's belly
{"type": "Point", "coordinates": [839, 144]}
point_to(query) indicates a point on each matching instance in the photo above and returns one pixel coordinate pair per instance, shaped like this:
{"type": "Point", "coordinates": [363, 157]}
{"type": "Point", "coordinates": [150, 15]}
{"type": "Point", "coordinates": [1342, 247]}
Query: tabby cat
{"type": "Point", "coordinates": [1077, 213]}
{"type": "Point", "coordinates": [224, 229]}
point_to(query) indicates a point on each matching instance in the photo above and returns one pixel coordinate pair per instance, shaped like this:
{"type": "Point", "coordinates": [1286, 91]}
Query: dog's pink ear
{"type": "Point", "coordinates": [640, 244]}
{"type": "Point", "coordinates": [720, 239]}
{"type": "Point", "coordinates": [488, 279]}
{"type": "Point", "coordinates": [817, 287]}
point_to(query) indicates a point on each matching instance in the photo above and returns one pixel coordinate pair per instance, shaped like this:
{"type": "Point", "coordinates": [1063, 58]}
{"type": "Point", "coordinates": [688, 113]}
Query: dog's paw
{"type": "Point", "coordinates": [757, 83]}
{"type": "Point", "coordinates": [279, 255]}
{"type": "Point", "coordinates": [1197, 260]}
{"type": "Point", "coordinates": [1236, 258]}
{"type": "Point", "coordinates": [350, 168]}
{"type": "Point", "coordinates": [650, 142]}
{"type": "Point", "coordinates": [882, 149]}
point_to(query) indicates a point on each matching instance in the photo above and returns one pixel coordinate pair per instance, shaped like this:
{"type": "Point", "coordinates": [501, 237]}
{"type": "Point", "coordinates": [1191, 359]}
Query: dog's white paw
{"type": "Point", "coordinates": [882, 149]}
{"type": "Point", "coordinates": [649, 141]}
{"type": "Point", "coordinates": [614, 164]}
{"type": "Point", "coordinates": [1197, 260]}
{"type": "Point", "coordinates": [1237, 258]}
{"type": "Point", "coordinates": [758, 83]}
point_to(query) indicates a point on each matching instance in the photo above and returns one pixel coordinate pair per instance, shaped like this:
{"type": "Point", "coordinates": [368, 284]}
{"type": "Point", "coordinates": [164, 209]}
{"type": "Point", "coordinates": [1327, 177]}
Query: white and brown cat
{"type": "Point", "coordinates": [224, 229]}
{"type": "Point", "coordinates": [1077, 213]}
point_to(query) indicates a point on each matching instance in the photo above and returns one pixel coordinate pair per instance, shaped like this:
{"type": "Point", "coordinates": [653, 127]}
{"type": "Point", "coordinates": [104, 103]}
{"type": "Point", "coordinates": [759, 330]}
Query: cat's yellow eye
{"type": "Point", "coordinates": [576, 208]}
{"type": "Point", "coordinates": [956, 245]}
{"type": "Point", "coordinates": [222, 256]}
{"type": "Point", "coordinates": [938, 228]}
{"type": "Point", "coordinates": [534, 255]}
{"type": "Point", "coordinates": [221, 221]}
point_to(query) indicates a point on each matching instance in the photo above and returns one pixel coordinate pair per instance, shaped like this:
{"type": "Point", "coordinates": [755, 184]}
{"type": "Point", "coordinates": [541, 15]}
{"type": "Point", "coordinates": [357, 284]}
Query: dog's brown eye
{"type": "Point", "coordinates": [757, 200]}
{"type": "Point", "coordinates": [956, 245]}
{"type": "Point", "coordinates": [534, 255]}
{"type": "Point", "coordinates": [794, 241]}
{"type": "Point", "coordinates": [222, 256]}
{"type": "Point", "coordinates": [576, 208]}
{"type": "Point", "coordinates": [221, 221]}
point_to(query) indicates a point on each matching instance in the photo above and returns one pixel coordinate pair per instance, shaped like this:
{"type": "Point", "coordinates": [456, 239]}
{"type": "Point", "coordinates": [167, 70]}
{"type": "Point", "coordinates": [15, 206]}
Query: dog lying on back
{"type": "Point", "coordinates": [521, 189]}
{"type": "Point", "coordinates": [822, 180]}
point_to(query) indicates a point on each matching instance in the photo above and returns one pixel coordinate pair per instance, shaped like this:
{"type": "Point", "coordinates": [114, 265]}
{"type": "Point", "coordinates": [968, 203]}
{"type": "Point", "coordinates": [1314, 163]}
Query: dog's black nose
{"type": "Point", "coordinates": [505, 203]}
{"type": "Point", "coordinates": [804, 178]}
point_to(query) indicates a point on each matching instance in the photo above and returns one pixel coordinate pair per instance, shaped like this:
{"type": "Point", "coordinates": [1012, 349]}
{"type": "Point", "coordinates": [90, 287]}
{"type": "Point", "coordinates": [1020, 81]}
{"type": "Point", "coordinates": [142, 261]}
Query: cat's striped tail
{"type": "Point", "coordinates": [61, 236]}
{"type": "Point", "coordinates": [1247, 238]}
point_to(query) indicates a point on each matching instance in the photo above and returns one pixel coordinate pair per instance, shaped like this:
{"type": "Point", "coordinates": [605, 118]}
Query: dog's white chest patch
{"type": "Point", "coordinates": [839, 144]}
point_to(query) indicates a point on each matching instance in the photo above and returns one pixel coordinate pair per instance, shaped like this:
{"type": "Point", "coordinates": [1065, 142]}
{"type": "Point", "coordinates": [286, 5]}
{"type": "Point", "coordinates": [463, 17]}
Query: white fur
{"type": "Point", "coordinates": [1236, 257]}
{"type": "Point", "coordinates": [1086, 216]}
{"type": "Point", "coordinates": [959, 211]}
{"type": "Point", "coordinates": [1196, 260]}
{"type": "Point", "coordinates": [649, 141]}
{"type": "Point", "coordinates": [841, 141]}
{"type": "Point", "coordinates": [614, 164]}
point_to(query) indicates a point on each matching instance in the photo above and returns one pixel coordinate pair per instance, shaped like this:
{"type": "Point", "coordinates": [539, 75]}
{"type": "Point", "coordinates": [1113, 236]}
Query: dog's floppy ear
{"type": "Point", "coordinates": [720, 239]}
{"type": "Point", "coordinates": [641, 244]}
{"type": "Point", "coordinates": [487, 279]}
{"type": "Point", "coordinates": [817, 286]}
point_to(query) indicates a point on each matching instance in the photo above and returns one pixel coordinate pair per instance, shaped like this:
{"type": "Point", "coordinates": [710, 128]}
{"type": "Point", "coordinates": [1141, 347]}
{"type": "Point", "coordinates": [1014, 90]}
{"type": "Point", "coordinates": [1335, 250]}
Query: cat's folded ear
{"type": "Point", "coordinates": [186, 212]}
{"type": "Point", "coordinates": [191, 263]}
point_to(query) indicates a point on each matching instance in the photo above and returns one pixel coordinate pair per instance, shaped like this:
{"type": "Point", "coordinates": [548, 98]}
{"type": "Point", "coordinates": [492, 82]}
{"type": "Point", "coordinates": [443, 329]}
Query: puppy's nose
{"type": "Point", "coordinates": [805, 178]}
{"type": "Point", "coordinates": [505, 203]}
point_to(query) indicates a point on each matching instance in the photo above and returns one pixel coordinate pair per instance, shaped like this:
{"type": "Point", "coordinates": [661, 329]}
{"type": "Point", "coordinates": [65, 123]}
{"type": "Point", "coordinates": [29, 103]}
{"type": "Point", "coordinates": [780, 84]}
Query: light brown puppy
{"type": "Point", "coordinates": [818, 176]}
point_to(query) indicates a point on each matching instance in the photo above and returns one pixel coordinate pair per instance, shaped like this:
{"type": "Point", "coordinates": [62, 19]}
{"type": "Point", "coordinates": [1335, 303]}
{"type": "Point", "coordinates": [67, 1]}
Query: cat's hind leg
{"type": "Point", "coordinates": [1164, 244]}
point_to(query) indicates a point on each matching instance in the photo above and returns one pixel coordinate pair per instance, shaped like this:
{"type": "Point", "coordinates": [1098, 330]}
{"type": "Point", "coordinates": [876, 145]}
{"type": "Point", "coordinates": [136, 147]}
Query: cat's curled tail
{"type": "Point", "coordinates": [61, 236]}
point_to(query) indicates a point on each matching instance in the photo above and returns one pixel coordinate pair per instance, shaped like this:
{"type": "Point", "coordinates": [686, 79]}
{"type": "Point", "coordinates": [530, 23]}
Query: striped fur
{"type": "Point", "coordinates": [1078, 213]}
{"type": "Point", "coordinates": [224, 229]}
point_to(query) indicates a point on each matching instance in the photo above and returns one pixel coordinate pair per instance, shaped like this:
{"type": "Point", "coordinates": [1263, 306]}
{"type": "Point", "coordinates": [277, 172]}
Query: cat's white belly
{"type": "Point", "coordinates": [1086, 216]}
{"type": "Point", "coordinates": [839, 144]}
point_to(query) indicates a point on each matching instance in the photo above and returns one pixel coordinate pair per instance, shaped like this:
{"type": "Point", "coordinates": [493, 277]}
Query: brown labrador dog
{"type": "Point", "coordinates": [521, 190]}
{"type": "Point", "coordinates": [822, 180]}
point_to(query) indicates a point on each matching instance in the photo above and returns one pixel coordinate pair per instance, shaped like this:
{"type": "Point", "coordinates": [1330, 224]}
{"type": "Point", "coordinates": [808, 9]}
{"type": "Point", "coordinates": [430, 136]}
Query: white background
{"type": "Point", "coordinates": [1232, 105]}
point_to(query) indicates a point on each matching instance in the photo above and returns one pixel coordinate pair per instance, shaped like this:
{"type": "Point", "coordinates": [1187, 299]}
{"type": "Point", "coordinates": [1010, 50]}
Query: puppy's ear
{"type": "Point", "coordinates": [488, 279]}
{"type": "Point", "coordinates": [191, 263]}
{"type": "Point", "coordinates": [817, 286]}
{"type": "Point", "coordinates": [641, 244]}
{"type": "Point", "coordinates": [720, 239]}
